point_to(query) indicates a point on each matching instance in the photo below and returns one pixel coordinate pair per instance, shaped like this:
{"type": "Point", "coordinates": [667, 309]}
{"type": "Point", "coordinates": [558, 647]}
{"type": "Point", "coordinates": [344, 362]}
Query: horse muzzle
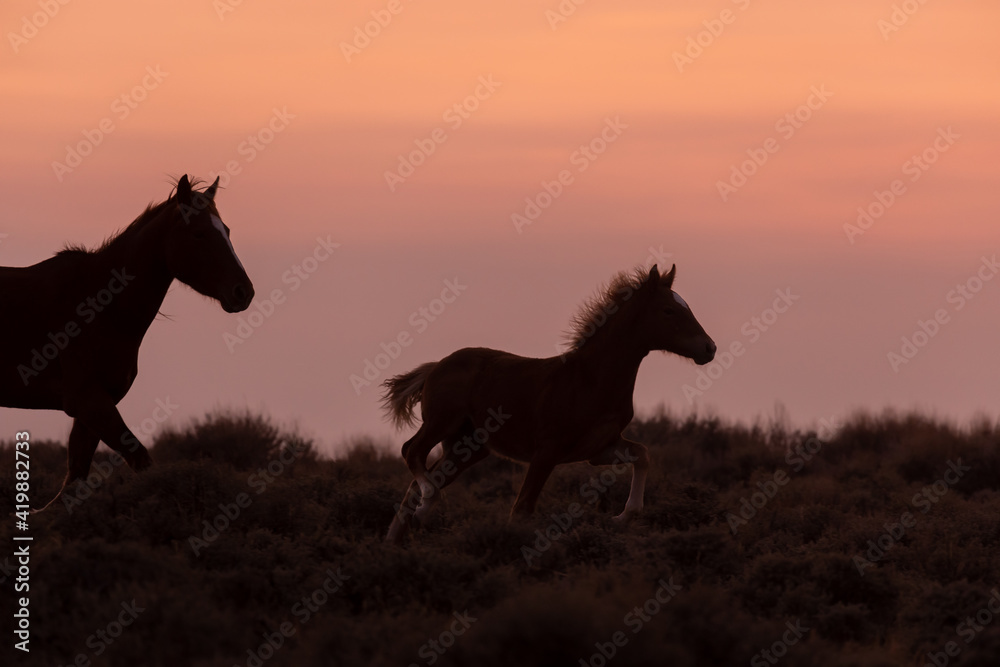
{"type": "Point", "coordinates": [708, 354]}
{"type": "Point", "coordinates": [239, 298]}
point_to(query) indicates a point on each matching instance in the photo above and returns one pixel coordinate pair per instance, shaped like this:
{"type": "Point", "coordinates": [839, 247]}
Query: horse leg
{"type": "Point", "coordinates": [102, 416]}
{"type": "Point", "coordinates": [401, 522]}
{"type": "Point", "coordinates": [415, 451]}
{"type": "Point", "coordinates": [417, 448]}
{"type": "Point", "coordinates": [627, 451]}
{"type": "Point", "coordinates": [445, 471]}
{"type": "Point", "coordinates": [538, 472]}
{"type": "Point", "coordinates": [80, 452]}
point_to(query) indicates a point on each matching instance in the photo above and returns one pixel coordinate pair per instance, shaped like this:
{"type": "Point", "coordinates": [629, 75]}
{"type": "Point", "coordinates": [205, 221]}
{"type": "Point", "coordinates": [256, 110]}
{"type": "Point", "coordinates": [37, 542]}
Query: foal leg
{"type": "Point", "coordinates": [538, 472]}
{"type": "Point", "coordinates": [444, 472]}
{"type": "Point", "coordinates": [419, 446]}
{"type": "Point", "coordinates": [401, 522]}
{"type": "Point", "coordinates": [622, 452]}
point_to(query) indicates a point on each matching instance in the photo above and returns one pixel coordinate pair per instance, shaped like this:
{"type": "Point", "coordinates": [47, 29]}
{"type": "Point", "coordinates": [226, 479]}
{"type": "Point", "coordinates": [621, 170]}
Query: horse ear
{"type": "Point", "coordinates": [184, 190]}
{"type": "Point", "coordinates": [668, 279]}
{"type": "Point", "coordinates": [653, 278]}
{"type": "Point", "coordinates": [210, 190]}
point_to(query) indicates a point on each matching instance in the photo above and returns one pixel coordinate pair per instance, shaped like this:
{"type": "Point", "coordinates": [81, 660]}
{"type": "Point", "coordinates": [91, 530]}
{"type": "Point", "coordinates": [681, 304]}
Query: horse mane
{"type": "Point", "coordinates": [151, 212]}
{"type": "Point", "coordinates": [594, 311]}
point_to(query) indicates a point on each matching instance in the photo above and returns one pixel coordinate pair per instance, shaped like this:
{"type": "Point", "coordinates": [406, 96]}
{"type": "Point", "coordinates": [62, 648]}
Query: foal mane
{"type": "Point", "coordinates": [151, 212]}
{"type": "Point", "coordinates": [594, 311]}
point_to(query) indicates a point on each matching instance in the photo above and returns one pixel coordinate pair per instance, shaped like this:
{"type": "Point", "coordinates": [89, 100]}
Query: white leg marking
{"type": "Point", "coordinates": [426, 504]}
{"type": "Point", "coordinates": [394, 529]}
{"type": "Point", "coordinates": [426, 488]}
{"type": "Point", "coordinates": [428, 495]}
{"type": "Point", "coordinates": [634, 503]}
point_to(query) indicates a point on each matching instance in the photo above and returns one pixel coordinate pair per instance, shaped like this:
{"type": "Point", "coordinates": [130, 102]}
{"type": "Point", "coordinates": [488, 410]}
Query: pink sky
{"type": "Point", "coordinates": [887, 97]}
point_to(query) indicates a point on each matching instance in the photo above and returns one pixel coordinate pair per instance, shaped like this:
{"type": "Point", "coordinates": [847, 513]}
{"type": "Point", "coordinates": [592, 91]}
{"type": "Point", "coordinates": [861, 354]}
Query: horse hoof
{"type": "Point", "coordinates": [394, 536]}
{"type": "Point", "coordinates": [399, 528]}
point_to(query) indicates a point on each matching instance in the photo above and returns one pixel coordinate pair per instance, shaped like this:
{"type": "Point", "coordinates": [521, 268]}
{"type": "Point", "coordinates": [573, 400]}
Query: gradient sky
{"type": "Point", "coordinates": [892, 85]}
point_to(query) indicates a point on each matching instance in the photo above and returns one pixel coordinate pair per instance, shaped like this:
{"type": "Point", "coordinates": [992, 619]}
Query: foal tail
{"type": "Point", "coordinates": [403, 392]}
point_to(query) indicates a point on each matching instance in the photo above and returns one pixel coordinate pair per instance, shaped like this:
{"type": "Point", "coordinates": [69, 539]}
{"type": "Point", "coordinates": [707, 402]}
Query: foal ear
{"type": "Point", "coordinates": [652, 279]}
{"type": "Point", "coordinates": [210, 190]}
{"type": "Point", "coordinates": [668, 279]}
{"type": "Point", "coordinates": [184, 190]}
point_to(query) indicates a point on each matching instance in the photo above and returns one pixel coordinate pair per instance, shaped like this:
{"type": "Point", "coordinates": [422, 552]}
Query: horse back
{"type": "Point", "coordinates": [39, 304]}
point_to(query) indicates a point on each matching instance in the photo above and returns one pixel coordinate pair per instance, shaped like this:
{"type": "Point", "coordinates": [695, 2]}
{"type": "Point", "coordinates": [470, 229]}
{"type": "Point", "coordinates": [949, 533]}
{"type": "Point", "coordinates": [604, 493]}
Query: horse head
{"type": "Point", "coordinates": [200, 253]}
{"type": "Point", "coordinates": [670, 325]}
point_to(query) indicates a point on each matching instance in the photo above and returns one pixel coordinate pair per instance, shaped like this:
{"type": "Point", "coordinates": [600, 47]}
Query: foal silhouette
{"type": "Point", "coordinates": [75, 321]}
{"type": "Point", "coordinates": [544, 411]}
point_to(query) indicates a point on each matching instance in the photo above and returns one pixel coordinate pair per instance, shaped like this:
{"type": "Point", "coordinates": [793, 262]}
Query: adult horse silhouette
{"type": "Point", "coordinates": [74, 322]}
{"type": "Point", "coordinates": [544, 411]}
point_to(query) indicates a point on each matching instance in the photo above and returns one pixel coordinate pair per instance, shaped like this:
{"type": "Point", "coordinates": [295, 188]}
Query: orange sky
{"type": "Point", "coordinates": [222, 74]}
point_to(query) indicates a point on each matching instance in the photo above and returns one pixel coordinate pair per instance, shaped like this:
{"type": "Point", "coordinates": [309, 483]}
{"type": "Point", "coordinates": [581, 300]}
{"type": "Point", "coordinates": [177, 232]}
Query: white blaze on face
{"type": "Point", "coordinates": [678, 299]}
{"type": "Point", "coordinates": [217, 223]}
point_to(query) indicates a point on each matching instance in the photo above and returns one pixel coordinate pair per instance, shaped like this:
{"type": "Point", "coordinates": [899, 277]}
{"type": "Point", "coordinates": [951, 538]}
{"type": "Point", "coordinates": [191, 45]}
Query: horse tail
{"type": "Point", "coordinates": [403, 392]}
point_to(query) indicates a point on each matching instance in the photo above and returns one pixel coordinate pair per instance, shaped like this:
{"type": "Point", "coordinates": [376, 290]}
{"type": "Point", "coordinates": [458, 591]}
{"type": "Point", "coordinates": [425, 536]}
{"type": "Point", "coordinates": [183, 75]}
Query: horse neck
{"type": "Point", "coordinates": [138, 256]}
{"type": "Point", "coordinates": [613, 354]}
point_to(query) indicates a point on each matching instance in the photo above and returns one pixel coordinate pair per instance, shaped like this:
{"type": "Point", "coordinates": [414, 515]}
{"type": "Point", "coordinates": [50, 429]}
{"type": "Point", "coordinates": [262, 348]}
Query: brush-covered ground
{"type": "Point", "coordinates": [298, 573]}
